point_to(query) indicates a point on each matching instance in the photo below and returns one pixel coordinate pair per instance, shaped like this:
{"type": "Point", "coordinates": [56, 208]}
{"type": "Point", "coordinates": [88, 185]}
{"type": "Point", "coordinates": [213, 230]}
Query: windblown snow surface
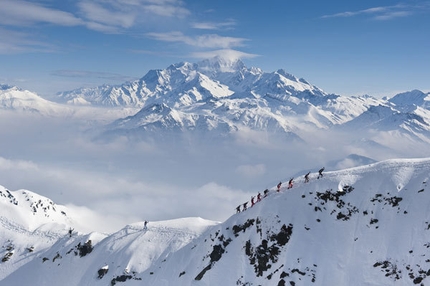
{"type": "Point", "coordinates": [366, 225]}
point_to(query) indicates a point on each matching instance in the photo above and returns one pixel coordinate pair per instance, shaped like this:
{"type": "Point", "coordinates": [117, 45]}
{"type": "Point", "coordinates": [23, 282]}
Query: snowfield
{"type": "Point", "coordinates": [365, 225]}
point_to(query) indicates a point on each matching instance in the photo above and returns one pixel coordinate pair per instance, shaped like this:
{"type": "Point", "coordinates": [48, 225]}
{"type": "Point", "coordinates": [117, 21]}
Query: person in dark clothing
{"type": "Point", "coordinates": [144, 225]}
{"type": "Point", "coordinates": [238, 209]}
{"type": "Point", "coordinates": [290, 183]}
{"type": "Point", "coordinates": [320, 173]}
{"type": "Point", "coordinates": [252, 201]}
{"type": "Point", "coordinates": [279, 186]}
{"type": "Point", "coordinates": [244, 206]}
{"type": "Point", "coordinates": [307, 177]}
{"type": "Point", "coordinates": [258, 197]}
{"type": "Point", "coordinates": [266, 192]}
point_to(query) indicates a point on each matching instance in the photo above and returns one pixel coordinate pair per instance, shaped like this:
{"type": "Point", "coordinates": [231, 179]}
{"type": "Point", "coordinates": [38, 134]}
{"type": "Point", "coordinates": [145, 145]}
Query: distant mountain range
{"type": "Point", "coordinates": [221, 97]}
{"type": "Point", "coordinates": [367, 225]}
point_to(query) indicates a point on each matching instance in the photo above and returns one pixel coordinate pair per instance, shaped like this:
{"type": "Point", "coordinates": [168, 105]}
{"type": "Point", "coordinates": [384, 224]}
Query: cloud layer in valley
{"type": "Point", "coordinates": [130, 181]}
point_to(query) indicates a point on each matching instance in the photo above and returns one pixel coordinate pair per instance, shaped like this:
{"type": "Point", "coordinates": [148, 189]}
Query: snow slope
{"type": "Point", "coordinates": [14, 98]}
{"type": "Point", "coordinates": [366, 225]}
{"type": "Point", "coordinates": [362, 226]}
{"type": "Point", "coordinates": [16, 101]}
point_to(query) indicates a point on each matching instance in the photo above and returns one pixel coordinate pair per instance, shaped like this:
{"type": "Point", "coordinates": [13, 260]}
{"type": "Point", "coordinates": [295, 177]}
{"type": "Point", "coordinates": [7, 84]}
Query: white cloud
{"type": "Point", "coordinates": [251, 170]}
{"type": "Point", "coordinates": [15, 12]}
{"type": "Point", "coordinates": [109, 16]}
{"type": "Point", "coordinates": [216, 41]}
{"type": "Point", "coordinates": [213, 25]}
{"type": "Point", "coordinates": [17, 165]}
{"type": "Point", "coordinates": [203, 41]}
{"type": "Point", "coordinates": [128, 182]}
{"type": "Point", "coordinates": [385, 12]}
{"type": "Point", "coordinates": [167, 10]}
{"type": "Point", "coordinates": [102, 15]}
{"type": "Point", "coordinates": [224, 53]}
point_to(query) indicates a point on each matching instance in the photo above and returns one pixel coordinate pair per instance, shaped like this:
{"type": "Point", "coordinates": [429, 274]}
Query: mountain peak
{"type": "Point", "coordinates": [414, 97]}
{"type": "Point", "coordinates": [6, 87]}
{"type": "Point", "coordinates": [221, 64]}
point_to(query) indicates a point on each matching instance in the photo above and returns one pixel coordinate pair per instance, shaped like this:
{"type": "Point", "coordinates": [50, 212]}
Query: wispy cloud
{"type": "Point", "coordinates": [91, 74]}
{"type": "Point", "coordinates": [224, 53]}
{"type": "Point", "coordinates": [106, 16]}
{"type": "Point", "coordinates": [100, 15]}
{"type": "Point", "coordinates": [22, 13]}
{"type": "Point", "coordinates": [251, 170]}
{"type": "Point", "coordinates": [202, 41]}
{"type": "Point", "coordinates": [116, 14]}
{"type": "Point", "coordinates": [385, 12]}
{"type": "Point", "coordinates": [18, 41]}
{"type": "Point", "coordinates": [213, 25]}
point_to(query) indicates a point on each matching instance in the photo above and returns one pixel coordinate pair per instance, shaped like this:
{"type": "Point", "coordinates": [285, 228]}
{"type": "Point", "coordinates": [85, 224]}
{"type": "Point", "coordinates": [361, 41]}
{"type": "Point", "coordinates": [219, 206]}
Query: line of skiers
{"type": "Point", "coordinates": [253, 201]}
{"type": "Point", "coordinates": [278, 189]}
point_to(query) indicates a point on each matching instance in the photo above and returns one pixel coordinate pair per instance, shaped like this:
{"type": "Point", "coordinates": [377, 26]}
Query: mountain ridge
{"type": "Point", "coordinates": [225, 99]}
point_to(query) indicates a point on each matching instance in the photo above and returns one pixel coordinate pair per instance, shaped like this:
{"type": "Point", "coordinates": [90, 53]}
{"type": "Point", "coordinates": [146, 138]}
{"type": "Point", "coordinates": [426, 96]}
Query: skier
{"type": "Point", "coordinates": [258, 197]}
{"type": "Point", "coordinates": [244, 206]}
{"type": "Point", "coordinates": [238, 209]}
{"type": "Point", "coordinates": [70, 232]}
{"type": "Point", "coordinates": [266, 192]}
{"type": "Point", "coordinates": [252, 201]}
{"type": "Point", "coordinates": [307, 177]}
{"type": "Point", "coordinates": [144, 225]}
{"type": "Point", "coordinates": [290, 183]}
{"type": "Point", "coordinates": [320, 174]}
{"type": "Point", "coordinates": [279, 186]}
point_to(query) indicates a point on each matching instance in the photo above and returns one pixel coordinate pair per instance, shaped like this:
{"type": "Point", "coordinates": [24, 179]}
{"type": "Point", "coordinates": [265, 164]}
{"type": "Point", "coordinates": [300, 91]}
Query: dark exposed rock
{"type": "Point", "coordinates": [101, 272]}
{"type": "Point", "coordinates": [284, 235]}
{"type": "Point", "coordinates": [216, 253]}
{"type": "Point", "coordinates": [390, 269]}
{"type": "Point", "coordinates": [123, 278]}
{"type": "Point", "coordinates": [7, 256]}
{"type": "Point", "coordinates": [202, 273]}
{"type": "Point", "coordinates": [242, 227]}
{"type": "Point", "coordinates": [85, 248]}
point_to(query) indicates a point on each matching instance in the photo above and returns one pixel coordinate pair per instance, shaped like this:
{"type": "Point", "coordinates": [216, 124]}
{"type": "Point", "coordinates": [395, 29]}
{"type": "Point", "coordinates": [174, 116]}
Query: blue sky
{"type": "Point", "coordinates": [344, 47]}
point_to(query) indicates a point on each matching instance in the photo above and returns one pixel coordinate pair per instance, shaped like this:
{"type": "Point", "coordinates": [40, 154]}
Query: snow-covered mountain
{"type": "Point", "coordinates": [411, 99]}
{"type": "Point", "coordinates": [408, 119]}
{"type": "Point", "coordinates": [222, 97]}
{"type": "Point", "coordinates": [15, 99]}
{"type": "Point", "coordinates": [366, 225]}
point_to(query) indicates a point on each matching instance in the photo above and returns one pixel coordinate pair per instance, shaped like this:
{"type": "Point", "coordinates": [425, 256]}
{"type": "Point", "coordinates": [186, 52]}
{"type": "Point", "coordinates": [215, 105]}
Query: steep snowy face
{"type": "Point", "coordinates": [360, 226]}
